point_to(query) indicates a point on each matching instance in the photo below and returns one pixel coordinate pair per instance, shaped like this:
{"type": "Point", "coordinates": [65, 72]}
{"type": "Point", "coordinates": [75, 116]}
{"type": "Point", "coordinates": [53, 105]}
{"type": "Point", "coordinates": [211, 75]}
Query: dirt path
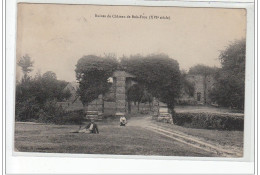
{"type": "Point", "coordinates": [196, 142]}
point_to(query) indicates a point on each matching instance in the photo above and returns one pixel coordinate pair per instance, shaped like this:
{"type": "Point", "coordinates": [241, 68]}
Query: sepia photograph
{"type": "Point", "coordinates": [130, 80]}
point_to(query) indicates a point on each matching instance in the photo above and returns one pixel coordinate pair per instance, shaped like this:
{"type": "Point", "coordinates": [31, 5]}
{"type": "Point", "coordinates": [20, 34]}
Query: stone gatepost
{"type": "Point", "coordinates": [156, 108]}
{"type": "Point", "coordinates": [120, 92]}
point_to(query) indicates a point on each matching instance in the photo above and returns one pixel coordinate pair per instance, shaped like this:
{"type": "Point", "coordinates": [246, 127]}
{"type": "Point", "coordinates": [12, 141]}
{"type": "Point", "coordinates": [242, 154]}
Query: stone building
{"type": "Point", "coordinates": [202, 87]}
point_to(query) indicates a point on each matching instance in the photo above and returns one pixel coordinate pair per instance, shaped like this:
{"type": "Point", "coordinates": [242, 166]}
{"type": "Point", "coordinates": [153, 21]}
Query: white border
{"type": "Point", "coordinates": [34, 163]}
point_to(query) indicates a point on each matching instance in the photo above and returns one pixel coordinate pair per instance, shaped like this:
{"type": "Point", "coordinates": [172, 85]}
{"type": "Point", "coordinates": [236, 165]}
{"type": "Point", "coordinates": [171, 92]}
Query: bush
{"type": "Point", "coordinates": [50, 112]}
{"type": "Point", "coordinates": [209, 121]}
{"type": "Point", "coordinates": [188, 102]}
{"type": "Point", "coordinates": [54, 113]}
{"type": "Point", "coordinates": [27, 110]}
{"type": "Point", "coordinates": [74, 117]}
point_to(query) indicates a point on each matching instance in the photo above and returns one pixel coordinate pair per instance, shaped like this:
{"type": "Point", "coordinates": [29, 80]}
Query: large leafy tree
{"type": "Point", "coordinates": [92, 73]}
{"type": "Point", "coordinates": [42, 89]}
{"type": "Point", "coordinates": [201, 69]}
{"type": "Point", "coordinates": [47, 88]}
{"type": "Point", "coordinates": [159, 74]}
{"type": "Point", "coordinates": [229, 89]}
{"type": "Point", "coordinates": [135, 93]}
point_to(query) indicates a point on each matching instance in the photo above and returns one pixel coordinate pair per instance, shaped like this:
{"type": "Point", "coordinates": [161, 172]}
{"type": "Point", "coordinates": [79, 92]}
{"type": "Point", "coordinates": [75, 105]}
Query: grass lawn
{"type": "Point", "coordinates": [225, 138]}
{"type": "Point", "coordinates": [113, 139]}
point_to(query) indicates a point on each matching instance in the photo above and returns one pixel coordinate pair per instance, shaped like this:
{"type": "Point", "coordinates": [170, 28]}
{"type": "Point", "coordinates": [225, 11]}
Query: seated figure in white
{"type": "Point", "coordinates": [123, 121]}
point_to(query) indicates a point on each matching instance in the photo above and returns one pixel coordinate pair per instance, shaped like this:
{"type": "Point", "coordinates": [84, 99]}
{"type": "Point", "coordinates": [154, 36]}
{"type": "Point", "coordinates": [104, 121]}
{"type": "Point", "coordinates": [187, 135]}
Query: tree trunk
{"type": "Point", "coordinates": [103, 103]}
{"type": "Point", "coordinates": [138, 104]}
{"type": "Point", "coordinates": [85, 109]}
{"type": "Point", "coordinates": [205, 89]}
{"type": "Point", "coordinates": [129, 107]}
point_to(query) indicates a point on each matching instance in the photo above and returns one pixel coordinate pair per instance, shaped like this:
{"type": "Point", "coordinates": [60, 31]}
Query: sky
{"type": "Point", "coordinates": [57, 36]}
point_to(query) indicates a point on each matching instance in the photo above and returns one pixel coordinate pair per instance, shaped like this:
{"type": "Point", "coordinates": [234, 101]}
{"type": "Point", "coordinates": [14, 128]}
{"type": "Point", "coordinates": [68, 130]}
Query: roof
{"type": "Point", "coordinates": [72, 86]}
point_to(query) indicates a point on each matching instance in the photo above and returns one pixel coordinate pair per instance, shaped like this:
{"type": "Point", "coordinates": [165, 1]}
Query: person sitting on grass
{"type": "Point", "coordinates": [90, 128]}
{"type": "Point", "coordinates": [123, 121]}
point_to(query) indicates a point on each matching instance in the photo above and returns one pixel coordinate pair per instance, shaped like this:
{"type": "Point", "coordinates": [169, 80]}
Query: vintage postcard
{"type": "Point", "coordinates": [130, 80]}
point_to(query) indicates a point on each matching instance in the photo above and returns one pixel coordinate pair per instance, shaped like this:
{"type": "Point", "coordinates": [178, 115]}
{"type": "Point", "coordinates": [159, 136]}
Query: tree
{"type": "Point", "coordinates": [26, 64]}
{"type": "Point", "coordinates": [49, 75]}
{"type": "Point", "coordinates": [51, 88]}
{"type": "Point", "coordinates": [229, 89]}
{"type": "Point", "coordinates": [147, 97]}
{"type": "Point", "coordinates": [201, 69]}
{"type": "Point", "coordinates": [42, 88]}
{"type": "Point", "coordinates": [33, 94]}
{"type": "Point", "coordinates": [186, 85]}
{"type": "Point", "coordinates": [205, 71]}
{"type": "Point", "coordinates": [159, 74]}
{"type": "Point", "coordinates": [92, 73]}
{"type": "Point", "coordinates": [135, 93]}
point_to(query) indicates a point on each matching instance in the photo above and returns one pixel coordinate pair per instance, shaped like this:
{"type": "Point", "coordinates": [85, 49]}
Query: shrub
{"type": "Point", "coordinates": [209, 121]}
{"type": "Point", "coordinates": [51, 112]}
{"type": "Point", "coordinates": [188, 102]}
{"type": "Point", "coordinates": [74, 117]}
{"type": "Point", "coordinates": [27, 110]}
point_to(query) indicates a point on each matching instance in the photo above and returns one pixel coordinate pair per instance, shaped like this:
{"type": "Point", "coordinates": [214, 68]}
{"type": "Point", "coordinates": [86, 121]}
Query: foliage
{"type": "Point", "coordinates": [42, 89]}
{"type": "Point", "coordinates": [187, 102]}
{"type": "Point", "coordinates": [186, 85]}
{"type": "Point", "coordinates": [229, 89]}
{"type": "Point", "coordinates": [51, 112]}
{"type": "Point", "coordinates": [93, 72]}
{"type": "Point", "coordinates": [159, 74]}
{"type": "Point", "coordinates": [138, 94]}
{"type": "Point", "coordinates": [26, 64]}
{"type": "Point", "coordinates": [74, 117]}
{"type": "Point", "coordinates": [209, 121]}
{"type": "Point", "coordinates": [135, 93]}
{"type": "Point", "coordinates": [36, 97]}
{"type": "Point", "coordinates": [147, 97]}
{"type": "Point", "coordinates": [201, 69]}
{"type": "Point", "coordinates": [27, 110]}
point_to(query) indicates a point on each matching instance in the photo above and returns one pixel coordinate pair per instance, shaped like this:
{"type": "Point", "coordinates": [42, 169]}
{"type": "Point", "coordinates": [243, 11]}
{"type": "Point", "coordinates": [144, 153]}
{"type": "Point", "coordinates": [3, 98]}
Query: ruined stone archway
{"type": "Point", "coordinates": [113, 102]}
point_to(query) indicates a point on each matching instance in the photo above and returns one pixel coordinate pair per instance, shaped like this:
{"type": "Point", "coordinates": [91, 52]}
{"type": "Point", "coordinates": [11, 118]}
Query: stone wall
{"type": "Point", "coordinates": [201, 92]}
{"type": "Point", "coordinates": [161, 112]}
{"type": "Point", "coordinates": [96, 105]}
{"type": "Point", "coordinates": [109, 108]}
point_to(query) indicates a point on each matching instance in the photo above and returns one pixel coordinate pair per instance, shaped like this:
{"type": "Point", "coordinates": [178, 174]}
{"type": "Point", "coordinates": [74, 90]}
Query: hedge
{"type": "Point", "coordinates": [210, 121]}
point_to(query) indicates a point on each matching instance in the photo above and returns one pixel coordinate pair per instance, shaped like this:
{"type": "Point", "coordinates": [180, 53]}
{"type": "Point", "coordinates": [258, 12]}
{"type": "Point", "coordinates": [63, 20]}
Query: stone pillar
{"type": "Point", "coordinates": [120, 92]}
{"type": "Point", "coordinates": [156, 108]}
